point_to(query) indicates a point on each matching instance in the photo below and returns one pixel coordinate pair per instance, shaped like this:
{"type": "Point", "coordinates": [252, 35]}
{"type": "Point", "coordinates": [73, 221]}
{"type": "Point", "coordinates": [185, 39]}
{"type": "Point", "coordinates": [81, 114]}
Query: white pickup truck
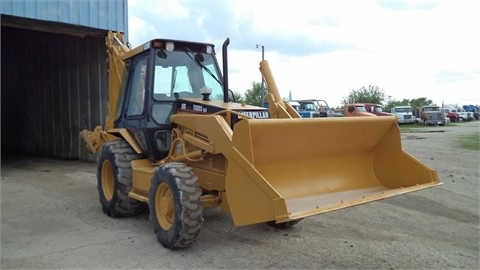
{"type": "Point", "coordinates": [404, 114]}
{"type": "Point", "coordinates": [464, 115]}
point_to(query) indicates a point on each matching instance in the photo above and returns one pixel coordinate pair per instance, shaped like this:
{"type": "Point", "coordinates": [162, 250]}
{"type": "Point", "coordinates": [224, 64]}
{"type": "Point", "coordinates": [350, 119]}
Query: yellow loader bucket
{"type": "Point", "coordinates": [286, 169]}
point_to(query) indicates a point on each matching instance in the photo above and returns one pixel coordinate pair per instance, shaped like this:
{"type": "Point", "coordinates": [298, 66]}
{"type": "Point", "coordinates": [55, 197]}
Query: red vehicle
{"type": "Point", "coordinates": [452, 115]}
{"type": "Point", "coordinates": [357, 109]}
{"type": "Point", "coordinates": [376, 109]}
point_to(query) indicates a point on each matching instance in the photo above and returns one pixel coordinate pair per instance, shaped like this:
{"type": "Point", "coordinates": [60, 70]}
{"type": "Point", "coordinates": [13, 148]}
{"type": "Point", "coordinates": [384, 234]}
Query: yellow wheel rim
{"type": "Point", "coordinates": [107, 180]}
{"type": "Point", "coordinates": [164, 206]}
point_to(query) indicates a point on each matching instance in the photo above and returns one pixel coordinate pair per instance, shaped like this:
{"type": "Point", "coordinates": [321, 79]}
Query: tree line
{"type": "Point", "coordinates": [370, 94]}
{"type": "Point", "coordinates": [376, 95]}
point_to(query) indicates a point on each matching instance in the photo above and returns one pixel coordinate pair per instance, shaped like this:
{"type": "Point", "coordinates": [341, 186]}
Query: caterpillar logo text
{"type": "Point", "coordinates": [256, 114]}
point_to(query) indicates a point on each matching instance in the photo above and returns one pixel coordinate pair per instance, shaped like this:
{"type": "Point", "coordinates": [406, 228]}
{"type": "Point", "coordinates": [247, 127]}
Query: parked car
{"type": "Point", "coordinates": [376, 109]}
{"type": "Point", "coordinates": [474, 109]}
{"type": "Point", "coordinates": [432, 115]}
{"type": "Point", "coordinates": [464, 115]}
{"type": "Point", "coordinates": [404, 114]}
{"type": "Point", "coordinates": [452, 115]}
{"type": "Point", "coordinates": [304, 113]}
{"type": "Point", "coordinates": [357, 109]}
{"type": "Point", "coordinates": [319, 106]}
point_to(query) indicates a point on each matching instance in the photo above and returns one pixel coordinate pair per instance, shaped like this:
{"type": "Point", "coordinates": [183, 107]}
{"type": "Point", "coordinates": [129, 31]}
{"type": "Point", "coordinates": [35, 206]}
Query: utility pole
{"type": "Point", "coordinates": [263, 81]}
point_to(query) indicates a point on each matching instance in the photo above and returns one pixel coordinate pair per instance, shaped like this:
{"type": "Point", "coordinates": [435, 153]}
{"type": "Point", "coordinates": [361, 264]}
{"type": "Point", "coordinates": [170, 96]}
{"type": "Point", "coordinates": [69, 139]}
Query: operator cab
{"type": "Point", "coordinates": [160, 74]}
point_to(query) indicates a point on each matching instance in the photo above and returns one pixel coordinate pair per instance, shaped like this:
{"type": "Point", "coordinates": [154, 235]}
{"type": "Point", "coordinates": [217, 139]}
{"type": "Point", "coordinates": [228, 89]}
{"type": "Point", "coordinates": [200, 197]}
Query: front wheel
{"type": "Point", "coordinates": [114, 176]}
{"type": "Point", "coordinates": [175, 207]}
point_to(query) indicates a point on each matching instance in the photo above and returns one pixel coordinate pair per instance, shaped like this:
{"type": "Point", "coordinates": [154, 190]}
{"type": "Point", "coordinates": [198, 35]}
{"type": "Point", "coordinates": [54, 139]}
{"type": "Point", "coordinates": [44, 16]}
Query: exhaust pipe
{"type": "Point", "coordinates": [225, 70]}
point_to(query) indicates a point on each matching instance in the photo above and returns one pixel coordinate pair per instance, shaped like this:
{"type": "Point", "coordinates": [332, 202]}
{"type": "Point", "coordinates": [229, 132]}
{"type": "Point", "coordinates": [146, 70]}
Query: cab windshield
{"type": "Point", "coordinates": [403, 110]}
{"type": "Point", "coordinates": [187, 73]}
{"type": "Point", "coordinates": [309, 106]}
{"type": "Point", "coordinates": [360, 109]}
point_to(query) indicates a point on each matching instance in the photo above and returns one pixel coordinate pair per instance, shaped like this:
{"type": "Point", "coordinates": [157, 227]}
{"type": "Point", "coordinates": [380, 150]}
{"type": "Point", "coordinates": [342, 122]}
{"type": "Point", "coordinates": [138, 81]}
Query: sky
{"type": "Point", "coordinates": [325, 49]}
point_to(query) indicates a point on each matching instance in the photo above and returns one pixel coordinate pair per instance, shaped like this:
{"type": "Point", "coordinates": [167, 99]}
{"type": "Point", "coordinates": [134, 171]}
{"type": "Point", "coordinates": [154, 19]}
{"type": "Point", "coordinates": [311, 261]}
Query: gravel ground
{"type": "Point", "coordinates": [51, 218]}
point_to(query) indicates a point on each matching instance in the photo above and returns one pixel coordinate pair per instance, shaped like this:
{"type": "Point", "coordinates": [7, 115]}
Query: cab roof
{"type": "Point", "coordinates": [161, 43]}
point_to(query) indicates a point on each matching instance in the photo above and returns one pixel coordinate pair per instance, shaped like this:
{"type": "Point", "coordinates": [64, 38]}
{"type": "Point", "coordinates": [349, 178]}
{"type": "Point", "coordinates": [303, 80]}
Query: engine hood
{"type": "Point", "coordinates": [200, 106]}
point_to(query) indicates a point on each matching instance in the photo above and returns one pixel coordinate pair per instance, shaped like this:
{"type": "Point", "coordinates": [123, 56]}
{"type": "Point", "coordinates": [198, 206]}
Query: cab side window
{"type": "Point", "coordinates": [136, 100]}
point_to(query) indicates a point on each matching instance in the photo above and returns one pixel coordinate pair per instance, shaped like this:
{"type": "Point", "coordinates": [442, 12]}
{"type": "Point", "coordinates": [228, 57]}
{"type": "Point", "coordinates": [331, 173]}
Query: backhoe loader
{"type": "Point", "coordinates": [176, 142]}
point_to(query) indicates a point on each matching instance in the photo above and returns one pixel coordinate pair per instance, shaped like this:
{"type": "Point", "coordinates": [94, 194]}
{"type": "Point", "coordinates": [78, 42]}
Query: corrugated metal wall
{"type": "Point", "coordinates": [54, 73]}
{"type": "Point", "coordinates": [102, 14]}
{"type": "Point", "coordinates": [53, 86]}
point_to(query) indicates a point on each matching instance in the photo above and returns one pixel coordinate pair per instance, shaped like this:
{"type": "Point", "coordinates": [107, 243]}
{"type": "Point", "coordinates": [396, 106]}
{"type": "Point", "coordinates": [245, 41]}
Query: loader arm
{"type": "Point", "coordinates": [276, 107]}
{"type": "Point", "coordinates": [116, 50]}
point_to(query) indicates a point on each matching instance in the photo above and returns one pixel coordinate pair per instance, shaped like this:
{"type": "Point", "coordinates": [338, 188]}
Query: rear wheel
{"type": "Point", "coordinates": [114, 176]}
{"type": "Point", "coordinates": [175, 207]}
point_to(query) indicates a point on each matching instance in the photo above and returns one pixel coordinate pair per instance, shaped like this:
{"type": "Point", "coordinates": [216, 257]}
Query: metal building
{"type": "Point", "coordinates": [54, 73]}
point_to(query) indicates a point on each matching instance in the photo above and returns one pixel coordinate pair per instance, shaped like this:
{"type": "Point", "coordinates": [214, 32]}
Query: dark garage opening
{"type": "Point", "coordinates": [53, 85]}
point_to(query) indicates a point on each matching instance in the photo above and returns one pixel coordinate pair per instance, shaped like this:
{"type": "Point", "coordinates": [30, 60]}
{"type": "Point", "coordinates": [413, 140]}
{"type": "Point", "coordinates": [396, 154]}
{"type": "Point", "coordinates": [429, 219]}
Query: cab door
{"type": "Point", "coordinates": [135, 114]}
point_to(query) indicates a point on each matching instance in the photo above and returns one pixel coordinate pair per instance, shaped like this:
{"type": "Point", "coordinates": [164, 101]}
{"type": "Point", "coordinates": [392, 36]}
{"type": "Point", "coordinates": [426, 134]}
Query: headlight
{"type": "Point", "coordinates": [209, 49]}
{"type": "Point", "coordinates": [169, 46]}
